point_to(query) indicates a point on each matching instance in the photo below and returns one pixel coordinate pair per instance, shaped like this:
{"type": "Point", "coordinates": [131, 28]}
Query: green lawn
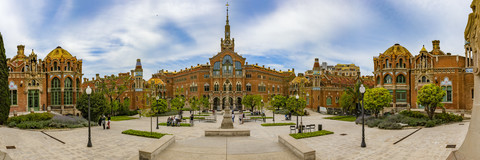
{"type": "Point", "coordinates": [343, 118]}
{"type": "Point", "coordinates": [181, 124]}
{"type": "Point", "coordinates": [121, 118]}
{"type": "Point", "coordinates": [310, 134]}
{"type": "Point", "coordinates": [277, 124]}
{"type": "Point", "coordinates": [144, 133]}
{"type": "Point", "coordinates": [261, 117]}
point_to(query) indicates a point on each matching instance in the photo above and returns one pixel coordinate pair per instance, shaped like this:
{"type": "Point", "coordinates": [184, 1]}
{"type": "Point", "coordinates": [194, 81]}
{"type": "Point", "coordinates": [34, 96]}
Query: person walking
{"type": "Point", "coordinates": [108, 124]}
{"type": "Point", "coordinates": [191, 120]}
{"type": "Point", "coordinates": [233, 117]}
{"type": "Point", "coordinates": [103, 121]}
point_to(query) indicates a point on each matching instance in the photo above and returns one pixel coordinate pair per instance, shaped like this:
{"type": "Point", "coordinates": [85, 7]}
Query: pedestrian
{"type": "Point", "coordinates": [191, 120]}
{"type": "Point", "coordinates": [103, 121]}
{"type": "Point", "coordinates": [168, 121]}
{"type": "Point", "coordinates": [108, 125]}
{"type": "Point", "coordinates": [233, 117]}
{"type": "Point", "coordinates": [243, 117]}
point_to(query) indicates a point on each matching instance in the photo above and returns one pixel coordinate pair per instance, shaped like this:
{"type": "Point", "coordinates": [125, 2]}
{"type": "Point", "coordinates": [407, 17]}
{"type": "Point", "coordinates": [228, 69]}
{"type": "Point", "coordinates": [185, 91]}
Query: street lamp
{"type": "Point", "coordinates": [299, 129]}
{"type": "Point", "coordinates": [157, 111]}
{"type": "Point", "coordinates": [262, 106]}
{"type": "Point", "coordinates": [362, 91]}
{"type": "Point", "coordinates": [273, 100]}
{"type": "Point", "coordinates": [89, 91]}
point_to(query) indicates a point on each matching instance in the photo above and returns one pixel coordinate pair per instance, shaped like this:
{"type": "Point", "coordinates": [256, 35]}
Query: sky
{"type": "Point", "coordinates": [109, 35]}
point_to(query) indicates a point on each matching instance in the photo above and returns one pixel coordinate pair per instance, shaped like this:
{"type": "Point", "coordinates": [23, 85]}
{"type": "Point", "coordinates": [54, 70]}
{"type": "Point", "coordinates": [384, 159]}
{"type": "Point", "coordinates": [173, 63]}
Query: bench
{"type": "Point", "coordinates": [301, 150]}
{"type": "Point", "coordinates": [152, 150]}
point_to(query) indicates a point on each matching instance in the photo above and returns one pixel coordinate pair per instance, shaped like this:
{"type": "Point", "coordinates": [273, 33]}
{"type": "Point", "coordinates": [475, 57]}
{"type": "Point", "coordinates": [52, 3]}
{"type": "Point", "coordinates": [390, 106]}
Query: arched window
{"type": "Point", "coordinates": [216, 87]}
{"type": "Point", "coordinates": [378, 80]}
{"type": "Point", "coordinates": [55, 90]}
{"type": "Point", "coordinates": [388, 64]}
{"type": "Point", "coordinates": [216, 68]}
{"type": "Point", "coordinates": [224, 87]}
{"type": "Point", "coordinates": [230, 87]}
{"type": "Point", "coordinates": [206, 87]}
{"type": "Point", "coordinates": [68, 93]}
{"type": "Point", "coordinates": [68, 66]}
{"type": "Point", "coordinates": [248, 87]}
{"type": "Point", "coordinates": [401, 79]}
{"type": "Point", "coordinates": [401, 63]}
{"type": "Point", "coordinates": [424, 79]}
{"type": "Point", "coordinates": [227, 65]}
{"type": "Point", "coordinates": [238, 68]}
{"type": "Point", "coordinates": [55, 66]}
{"type": "Point", "coordinates": [78, 90]}
{"type": "Point", "coordinates": [387, 79]}
{"type": "Point", "coordinates": [239, 87]}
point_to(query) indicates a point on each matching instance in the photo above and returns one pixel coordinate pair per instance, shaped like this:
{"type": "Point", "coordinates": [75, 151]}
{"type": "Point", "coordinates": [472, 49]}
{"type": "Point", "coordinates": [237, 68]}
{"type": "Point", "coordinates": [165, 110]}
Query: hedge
{"type": "Point", "coordinates": [121, 118]}
{"type": "Point", "coordinates": [30, 117]}
{"type": "Point", "coordinates": [343, 118]}
{"type": "Point", "coordinates": [144, 133]}
{"type": "Point", "coordinates": [181, 124]}
{"type": "Point", "coordinates": [310, 134]}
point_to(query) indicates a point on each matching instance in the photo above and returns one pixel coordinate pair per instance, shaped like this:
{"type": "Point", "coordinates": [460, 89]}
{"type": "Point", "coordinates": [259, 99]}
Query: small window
{"type": "Point", "coordinates": [388, 79]}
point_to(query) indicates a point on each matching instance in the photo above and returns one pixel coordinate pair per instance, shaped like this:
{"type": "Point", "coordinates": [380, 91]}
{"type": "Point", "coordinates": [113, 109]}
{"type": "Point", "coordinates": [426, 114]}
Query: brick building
{"type": "Point", "coordinates": [36, 85]}
{"type": "Point", "coordinates": [323, 88]}
{"type": "Point", "coordinates": [403, 75]}
{"type": "Point", "coordinates": [227, 77]}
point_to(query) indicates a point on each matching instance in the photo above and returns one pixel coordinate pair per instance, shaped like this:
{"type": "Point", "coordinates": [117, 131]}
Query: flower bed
{"type": "Point", "coordinates": [144, 133]}
{"type": "Point", "coordinates": [42, 122]}
{"type": "Point", "coordinates": [411, 118]}
{"type": "Point", "coordinates": [310, 134]}
{"type": "Point", "coordinates": [277, 124]}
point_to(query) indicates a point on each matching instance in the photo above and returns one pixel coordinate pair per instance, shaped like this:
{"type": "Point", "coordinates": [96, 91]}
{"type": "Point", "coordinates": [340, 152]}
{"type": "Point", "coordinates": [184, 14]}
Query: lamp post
{"type": "Point", "coordinates": [262, 105]}
{"type": "Point", "coordinates": [362, 91]}
{"type": "Point", "coordinates": [157, 111]}
{"type": "Point", "coordinates": [89, 91]}
{"type": "Point", "coordinates": [299, 129]}
{"type": "Point", "coordinates": [273, 100]}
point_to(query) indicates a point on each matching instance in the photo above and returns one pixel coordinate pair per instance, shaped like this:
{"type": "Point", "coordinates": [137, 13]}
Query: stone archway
{"type": "Point", "coordinates": [216, 103]}
{"type": "Point", "coordinates": [239, 104]}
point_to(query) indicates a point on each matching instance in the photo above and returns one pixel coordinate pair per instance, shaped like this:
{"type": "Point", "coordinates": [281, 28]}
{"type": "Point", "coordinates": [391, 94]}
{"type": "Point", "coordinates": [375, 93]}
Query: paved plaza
{"type": "Point", "coordinates": [427, 143]}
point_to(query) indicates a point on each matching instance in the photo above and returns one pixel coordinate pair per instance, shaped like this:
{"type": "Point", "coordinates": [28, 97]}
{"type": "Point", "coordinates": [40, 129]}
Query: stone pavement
{"type": "Point", "coordinates": [428, 143]}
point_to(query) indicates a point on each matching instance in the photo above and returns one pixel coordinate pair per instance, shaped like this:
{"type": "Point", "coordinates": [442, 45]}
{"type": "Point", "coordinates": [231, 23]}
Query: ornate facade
{"type": "Point", "coordinates": [403, 75]}
{"type": "Point", "coordinates": [322, 88]}
{"type": "Point", "coordinates": [36, 85]}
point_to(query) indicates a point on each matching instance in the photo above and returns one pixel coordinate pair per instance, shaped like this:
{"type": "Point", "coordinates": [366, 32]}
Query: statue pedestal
{"type": "Point", "coordinates": [227, 122]}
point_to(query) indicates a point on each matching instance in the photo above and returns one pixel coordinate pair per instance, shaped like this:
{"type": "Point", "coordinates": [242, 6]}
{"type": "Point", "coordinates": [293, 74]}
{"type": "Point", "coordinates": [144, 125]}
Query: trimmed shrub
{"type": "Point", "coordinates": [181, 124]}
{"type": "Point", "coordinates": [449, 117]}
{"type": "Point", "coordinates": [12, 124]}
{"type": "Point", "coordinates": [33, 124]}
{"type": "Point", "coordinates": [430, 123]}
{"type": "Point", "coordinates": [144, 133]}
{"type": "Point", "coordinates": [30, 117]}
{"type": "Point", "coordinates": [310, 134]}
{"type": "Point", "coordinates": [277, 124]}
{"type": "Point", "coordinates": [342, 118]}
{"type": "Point", "coordinates": [169, 113]}
{"type": "Point", "coordinates": [414, 114]}
{"type": "Point", "coordinates": [373, 122]}
{"type": "Point", "coordinates": [389, 125]}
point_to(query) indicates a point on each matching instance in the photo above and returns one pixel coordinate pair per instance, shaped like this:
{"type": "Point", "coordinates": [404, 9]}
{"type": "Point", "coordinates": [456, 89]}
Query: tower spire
{"type": "Point", "coordinates": [227, 26]}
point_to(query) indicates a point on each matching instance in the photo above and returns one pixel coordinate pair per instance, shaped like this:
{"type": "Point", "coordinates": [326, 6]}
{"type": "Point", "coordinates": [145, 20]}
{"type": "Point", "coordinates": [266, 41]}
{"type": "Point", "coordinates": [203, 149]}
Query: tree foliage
{"type": "Point", "coordinates": [98, 105]}
{"type": "Point", "coordinates": [278, 101]}
{"type": "Point", "coordinates": [194, 103]}
{"type": "Point", "coordinates": [204, 103]}
{"type": "Point", "coordinates": [160, 105]}
{"type": "Point", "coordinates": [354, 97]}
{"type": "Point", "coordinates": [177, 103]}
{"type": "Point", "coordinates": [296, 105]}
{"type": "Point", "coordinates": [376, 99]}
{"type": "Point", "coordinates": [113, 87]}
{"type": "Point", "coordinates": [430, 96]}
{"type": "Point", "coordinates": [4, 90]}
{"type": "Point", "coordinates": [252, 101]}
{"type": "Point", "coordinates": [347, 103]}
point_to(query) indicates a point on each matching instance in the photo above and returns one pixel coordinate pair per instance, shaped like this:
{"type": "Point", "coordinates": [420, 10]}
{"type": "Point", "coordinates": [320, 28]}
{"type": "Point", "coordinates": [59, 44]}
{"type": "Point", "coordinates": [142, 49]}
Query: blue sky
{"type": "Point", "coordinates": [109, 35]}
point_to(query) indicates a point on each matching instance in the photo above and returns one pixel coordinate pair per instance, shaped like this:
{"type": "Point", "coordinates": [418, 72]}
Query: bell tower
{"type": "Point", "coordinates": [227, 43]}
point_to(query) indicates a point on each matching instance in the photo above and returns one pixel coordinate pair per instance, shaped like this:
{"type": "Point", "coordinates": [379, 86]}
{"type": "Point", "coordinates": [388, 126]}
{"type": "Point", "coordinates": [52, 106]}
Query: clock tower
{"type": "Point", "coordinates": [227, 43]}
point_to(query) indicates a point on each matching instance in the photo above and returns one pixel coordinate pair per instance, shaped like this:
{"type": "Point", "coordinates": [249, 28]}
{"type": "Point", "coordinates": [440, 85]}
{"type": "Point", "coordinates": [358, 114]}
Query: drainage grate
{"type": "Point", "coordinates": [11, 147]}
{"type": "Point", "coordinates": [451, 146]}
{"type": "Point", "coordinates": [343, 134]}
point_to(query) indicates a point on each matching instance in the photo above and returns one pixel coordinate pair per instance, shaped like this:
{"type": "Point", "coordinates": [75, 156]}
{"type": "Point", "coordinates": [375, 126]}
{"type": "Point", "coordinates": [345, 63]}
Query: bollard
{"type": "Point", "coordinates": [319, 127]}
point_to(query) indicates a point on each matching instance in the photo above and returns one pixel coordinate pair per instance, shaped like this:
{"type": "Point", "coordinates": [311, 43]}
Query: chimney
{"type": "Point", "coordinates": [97, 76]}
{"type": "Point", "coordinates": [20, 49]}
{"type": "Point", "coordinates": [85, 79]}
{"type": "Point", "coordinates": [436, 44]}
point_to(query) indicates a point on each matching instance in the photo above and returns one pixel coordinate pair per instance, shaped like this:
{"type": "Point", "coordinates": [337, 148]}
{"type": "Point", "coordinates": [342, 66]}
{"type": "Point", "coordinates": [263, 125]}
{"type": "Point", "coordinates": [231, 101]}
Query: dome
{"type": "Point", "coordinates": [59, 53]}
{"type": "Point", "coordinates": [156, 81]}
{"type": "Point", "coordinates": [397, 50]}
{"type": "Point", "coordinates": [300, 79]}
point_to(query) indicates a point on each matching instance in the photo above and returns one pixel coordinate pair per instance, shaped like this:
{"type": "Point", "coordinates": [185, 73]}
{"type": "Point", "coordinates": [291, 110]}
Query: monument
{"type": "Point", "coordinates": [471, 144]}
{"type": "Point", "coordinates": [227, 122]}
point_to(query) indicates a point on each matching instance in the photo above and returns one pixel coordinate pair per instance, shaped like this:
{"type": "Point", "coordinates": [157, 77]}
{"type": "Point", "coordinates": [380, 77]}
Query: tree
{"type": "Point", "coordinates": [98, 105]}
{"type": "Point", "coordinates": [296, 105]}
{"type": "Point", "coordinates": [160, 105]}
{"type": "Point", "coordinates": [347, 103]}
{"type": "Point", "coordinates": [252, 101]}
{"type": "Point", "coordinates": [113, 87]}
{"type": "Point", "coordinates": [194, 103]}
{"type": "Point", "coordinates": [430, 96]}
{"type": "Point", "coordinates": [278, 101]}
{"type": "Point", "coordinates": [177, 103]}
{"type": "Point", "coordinates": [4, 90]}
{"type": "Point", "coordinates": [376, 99]}
{"type": "Point", "coordinates": [204, 103]}
{"type": "Point", "coordinates": [354, 92]}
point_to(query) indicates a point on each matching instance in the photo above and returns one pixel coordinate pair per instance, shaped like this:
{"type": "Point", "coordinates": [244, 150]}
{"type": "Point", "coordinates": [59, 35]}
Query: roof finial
{"type": "Point", "coordinates": [227, 12]}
